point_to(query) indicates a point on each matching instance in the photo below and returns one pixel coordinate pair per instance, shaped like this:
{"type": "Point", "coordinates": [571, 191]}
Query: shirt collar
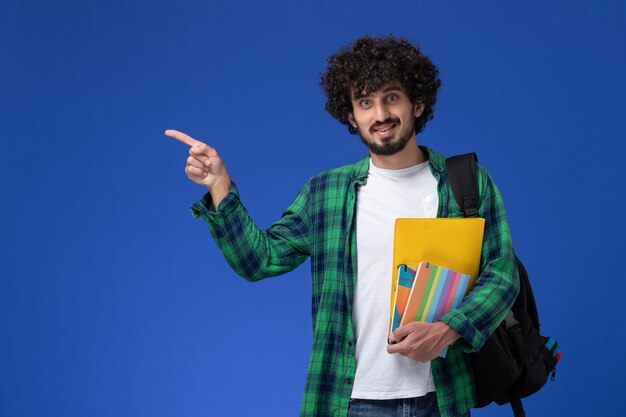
{"type": "Point", "coordinates": [436, 161]}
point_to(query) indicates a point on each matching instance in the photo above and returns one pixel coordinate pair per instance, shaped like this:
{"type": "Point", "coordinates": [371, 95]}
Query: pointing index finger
{"type": "Point", "coordinates": [186, 139]}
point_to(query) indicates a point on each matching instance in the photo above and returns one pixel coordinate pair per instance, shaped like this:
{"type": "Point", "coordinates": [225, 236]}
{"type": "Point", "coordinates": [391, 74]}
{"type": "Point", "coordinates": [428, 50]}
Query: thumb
{"type": "Point", "coordinates": [203, 149]}
{"type": "Point", "coordinates": [196, 150]}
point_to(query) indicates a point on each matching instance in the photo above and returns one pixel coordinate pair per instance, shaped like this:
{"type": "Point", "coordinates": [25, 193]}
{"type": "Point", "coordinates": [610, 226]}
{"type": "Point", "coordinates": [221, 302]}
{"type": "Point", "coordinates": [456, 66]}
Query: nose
{"type": "Point", "coordinates": [382, 112]}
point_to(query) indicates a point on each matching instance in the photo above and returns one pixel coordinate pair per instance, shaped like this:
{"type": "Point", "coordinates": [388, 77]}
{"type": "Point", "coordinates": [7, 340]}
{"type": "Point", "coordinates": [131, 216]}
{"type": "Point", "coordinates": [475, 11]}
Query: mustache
{"type": "Point", "coordinates": [388, 121]}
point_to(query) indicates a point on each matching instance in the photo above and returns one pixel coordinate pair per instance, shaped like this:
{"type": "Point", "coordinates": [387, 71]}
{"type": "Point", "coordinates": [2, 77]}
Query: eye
{"type": "Point", "coordinates": [392, 98]}
{"type": "Point", "coordinates": [365, 102]}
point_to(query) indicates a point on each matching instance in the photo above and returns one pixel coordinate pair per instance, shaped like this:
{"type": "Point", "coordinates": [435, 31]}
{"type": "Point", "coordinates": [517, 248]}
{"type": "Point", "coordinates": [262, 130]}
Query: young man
{"type": "Point", "coordinates": [384, 89]}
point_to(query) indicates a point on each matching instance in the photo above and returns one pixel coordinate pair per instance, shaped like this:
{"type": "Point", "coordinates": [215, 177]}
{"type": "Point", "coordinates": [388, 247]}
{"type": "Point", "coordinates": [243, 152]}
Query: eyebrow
{"type": "Point", "coordinates": [392, 88]}
{"type": "Point", "coordinates": [386, 90]}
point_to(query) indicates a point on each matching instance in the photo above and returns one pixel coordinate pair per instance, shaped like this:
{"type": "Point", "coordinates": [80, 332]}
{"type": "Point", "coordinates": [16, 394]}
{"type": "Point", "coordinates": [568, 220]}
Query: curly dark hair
{"type": "Point", "coordinates": [370, 63]}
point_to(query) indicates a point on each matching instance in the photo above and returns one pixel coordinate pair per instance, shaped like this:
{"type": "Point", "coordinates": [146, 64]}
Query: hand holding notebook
{"type": "Point", "coordinates": [422, 341]}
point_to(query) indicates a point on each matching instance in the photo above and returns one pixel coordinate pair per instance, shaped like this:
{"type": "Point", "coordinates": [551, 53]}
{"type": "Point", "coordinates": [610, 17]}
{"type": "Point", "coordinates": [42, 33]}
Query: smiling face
{"type": "Point", "coordinates": [385, 118]}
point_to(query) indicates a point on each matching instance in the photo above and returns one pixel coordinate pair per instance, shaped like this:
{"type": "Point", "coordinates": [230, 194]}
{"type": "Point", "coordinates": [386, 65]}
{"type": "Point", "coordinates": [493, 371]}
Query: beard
{"type": "Point", "coordinates": [389, 146]}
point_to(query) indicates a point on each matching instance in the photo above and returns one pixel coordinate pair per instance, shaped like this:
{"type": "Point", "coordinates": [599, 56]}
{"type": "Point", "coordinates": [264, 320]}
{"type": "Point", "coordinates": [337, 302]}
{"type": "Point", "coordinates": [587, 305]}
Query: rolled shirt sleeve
{"type": "Point", "coordinates": [254, 253]}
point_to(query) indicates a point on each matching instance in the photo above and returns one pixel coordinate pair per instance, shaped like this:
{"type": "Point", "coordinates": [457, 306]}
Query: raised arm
{"type": "Point", "coordinates": [253, 253]}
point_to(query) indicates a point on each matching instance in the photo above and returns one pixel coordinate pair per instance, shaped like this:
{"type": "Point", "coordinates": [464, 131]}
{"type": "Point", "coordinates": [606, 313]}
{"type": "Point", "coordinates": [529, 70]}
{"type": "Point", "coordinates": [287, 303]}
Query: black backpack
{"type": "Point", "coordinates": [516, 360]}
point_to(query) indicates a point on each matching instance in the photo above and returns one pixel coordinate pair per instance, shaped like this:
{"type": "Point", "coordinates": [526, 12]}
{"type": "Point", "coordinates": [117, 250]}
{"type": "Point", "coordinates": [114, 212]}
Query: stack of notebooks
{"type": "Point", "coordinates": [435, 263]}
{"type": "Point", "coordinates": [425, 293]}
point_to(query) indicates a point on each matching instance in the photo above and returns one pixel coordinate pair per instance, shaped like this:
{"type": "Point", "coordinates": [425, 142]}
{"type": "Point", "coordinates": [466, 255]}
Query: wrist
{"type": "Point", "coordinates": [449, 335]}
{"type": "Point", "coordinates": [219, 191]}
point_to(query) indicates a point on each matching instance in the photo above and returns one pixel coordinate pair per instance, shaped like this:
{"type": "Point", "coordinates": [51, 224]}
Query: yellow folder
{"type": "Point", "coordinates": [451, 243]}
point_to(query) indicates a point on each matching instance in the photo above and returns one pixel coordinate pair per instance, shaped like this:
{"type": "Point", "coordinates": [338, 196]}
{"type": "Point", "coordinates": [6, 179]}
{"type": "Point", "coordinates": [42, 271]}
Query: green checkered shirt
{"type": "Point", "coordinates": [320, 223]}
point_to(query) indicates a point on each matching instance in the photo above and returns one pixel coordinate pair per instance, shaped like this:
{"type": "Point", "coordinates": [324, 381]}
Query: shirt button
{"type": "Point", "coordinates": [348, 381]}
{"type": "Point", "coordinates": [350, 344]}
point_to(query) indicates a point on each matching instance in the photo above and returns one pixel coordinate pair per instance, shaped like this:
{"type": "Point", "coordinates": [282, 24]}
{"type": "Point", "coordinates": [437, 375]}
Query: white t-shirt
{"type": "Point", "coordinates": [388, 194]}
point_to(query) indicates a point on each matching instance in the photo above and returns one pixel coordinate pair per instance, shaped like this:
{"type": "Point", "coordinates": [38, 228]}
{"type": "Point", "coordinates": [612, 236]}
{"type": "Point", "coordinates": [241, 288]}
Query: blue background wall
{"type": "Point", "coordinates": [114, 301]}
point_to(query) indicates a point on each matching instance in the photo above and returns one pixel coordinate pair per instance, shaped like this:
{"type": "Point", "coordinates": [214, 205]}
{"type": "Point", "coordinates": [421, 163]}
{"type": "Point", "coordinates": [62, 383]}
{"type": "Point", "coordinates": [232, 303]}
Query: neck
{"type": "Point", "coordinates": [409, 156]}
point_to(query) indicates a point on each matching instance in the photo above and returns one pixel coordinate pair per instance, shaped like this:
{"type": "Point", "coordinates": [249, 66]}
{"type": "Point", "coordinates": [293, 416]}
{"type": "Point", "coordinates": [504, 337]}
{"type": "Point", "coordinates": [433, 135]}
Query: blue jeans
{"type": "Point", "coordinates": [425, 406]}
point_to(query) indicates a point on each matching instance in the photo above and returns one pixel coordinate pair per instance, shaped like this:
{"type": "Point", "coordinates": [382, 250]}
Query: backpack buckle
{"type": "Point", "coordinates": [471, 212]}
{"type": "Point", "coordinates": [510, 320]}
{"type": "Point", "coordinates": [469, 207]}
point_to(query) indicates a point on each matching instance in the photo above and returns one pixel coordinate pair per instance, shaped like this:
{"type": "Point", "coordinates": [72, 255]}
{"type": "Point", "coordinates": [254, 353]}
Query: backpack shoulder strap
{"type": "Point", "coordinates": [461, 171]}
{"type": "Point", "coordinates": [518, 408]}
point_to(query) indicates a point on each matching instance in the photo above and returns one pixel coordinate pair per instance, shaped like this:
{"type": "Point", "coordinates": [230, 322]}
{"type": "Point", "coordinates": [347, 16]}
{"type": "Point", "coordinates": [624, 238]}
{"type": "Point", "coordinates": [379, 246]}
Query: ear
{"type": "Point", "coordinates": [419, 109]}
{"type": "Point", "coordinates": [352, 120]}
